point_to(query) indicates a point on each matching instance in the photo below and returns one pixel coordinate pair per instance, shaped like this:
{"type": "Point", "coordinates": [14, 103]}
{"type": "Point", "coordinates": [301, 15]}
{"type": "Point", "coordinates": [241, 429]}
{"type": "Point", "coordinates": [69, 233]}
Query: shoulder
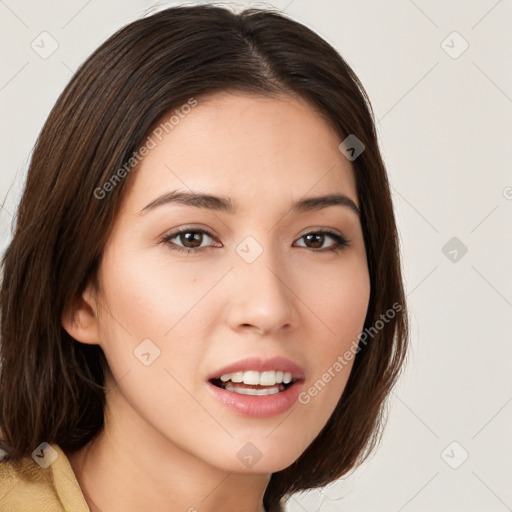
{"type": "Point", "coordinates": [44, 482]}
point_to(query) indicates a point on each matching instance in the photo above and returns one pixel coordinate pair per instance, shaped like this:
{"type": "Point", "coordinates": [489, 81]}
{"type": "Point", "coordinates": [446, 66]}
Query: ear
{"type": "Point", "coordinates": [80, 320]}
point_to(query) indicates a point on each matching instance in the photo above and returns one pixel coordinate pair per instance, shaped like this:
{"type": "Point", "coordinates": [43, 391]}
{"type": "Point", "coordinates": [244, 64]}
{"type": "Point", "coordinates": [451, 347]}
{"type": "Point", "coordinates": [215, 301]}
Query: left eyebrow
{"type": "Point", "coordinates": [317, 203]}
{"type": "Point", "coordinates": [224, 204]}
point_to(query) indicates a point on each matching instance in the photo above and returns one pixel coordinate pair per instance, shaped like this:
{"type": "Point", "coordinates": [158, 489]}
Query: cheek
{"type": "Point", "coordinates": [341, 304]}
{"type": "Point", "coordinates": [339, 297]}
{"type": "Point", "coordinates": [158, 309]}
{"type": "Point", "coordinates": [152, 297]}
{"type": "Point", "coordinates": [153, 334]}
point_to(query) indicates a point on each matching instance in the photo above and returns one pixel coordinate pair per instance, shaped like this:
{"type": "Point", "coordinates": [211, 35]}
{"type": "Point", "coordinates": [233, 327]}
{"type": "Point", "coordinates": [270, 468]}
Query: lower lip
{"type": "Point", "coordinates": [258, 406]}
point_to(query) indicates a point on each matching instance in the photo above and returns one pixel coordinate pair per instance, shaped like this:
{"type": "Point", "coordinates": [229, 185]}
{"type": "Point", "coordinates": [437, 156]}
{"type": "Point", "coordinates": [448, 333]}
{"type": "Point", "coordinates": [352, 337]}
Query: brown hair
{"type": "Point", "coordinates": [52, 387]}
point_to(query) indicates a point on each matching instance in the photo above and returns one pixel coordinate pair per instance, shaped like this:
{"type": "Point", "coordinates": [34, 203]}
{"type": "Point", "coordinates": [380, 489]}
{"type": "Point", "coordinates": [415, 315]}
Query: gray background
{"type": "Point", "coordinates": [444, 121]}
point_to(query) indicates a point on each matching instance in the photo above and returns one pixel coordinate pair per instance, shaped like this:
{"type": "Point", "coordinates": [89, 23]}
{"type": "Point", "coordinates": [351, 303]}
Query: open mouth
{"type": "Point", "coordinates": [251, 389]}
{"type": "Point", "coordinates": [258, 392]}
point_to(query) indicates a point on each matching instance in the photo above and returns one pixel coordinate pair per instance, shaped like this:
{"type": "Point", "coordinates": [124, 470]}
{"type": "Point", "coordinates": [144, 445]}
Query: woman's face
{"type": "Point", "coordinates": [178, 309]}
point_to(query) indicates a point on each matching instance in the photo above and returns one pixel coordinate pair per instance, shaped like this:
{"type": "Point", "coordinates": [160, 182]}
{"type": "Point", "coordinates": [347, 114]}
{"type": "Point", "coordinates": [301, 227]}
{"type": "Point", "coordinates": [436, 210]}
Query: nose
{"type": "Point", "coordinates": [261, 296]}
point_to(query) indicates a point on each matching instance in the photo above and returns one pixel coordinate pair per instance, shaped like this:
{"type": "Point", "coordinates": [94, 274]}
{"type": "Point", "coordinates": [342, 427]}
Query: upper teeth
{"type": "Point", "coordinates": [258, 378]}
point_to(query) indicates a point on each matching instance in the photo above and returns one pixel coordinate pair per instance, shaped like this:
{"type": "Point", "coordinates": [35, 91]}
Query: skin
{"type": "Point", "coordinates": [168, 445]}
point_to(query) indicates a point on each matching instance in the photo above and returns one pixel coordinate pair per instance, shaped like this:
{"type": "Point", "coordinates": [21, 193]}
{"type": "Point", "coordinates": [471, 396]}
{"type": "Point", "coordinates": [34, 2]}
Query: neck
{"type": "Point", "coordinates": [130, 467]}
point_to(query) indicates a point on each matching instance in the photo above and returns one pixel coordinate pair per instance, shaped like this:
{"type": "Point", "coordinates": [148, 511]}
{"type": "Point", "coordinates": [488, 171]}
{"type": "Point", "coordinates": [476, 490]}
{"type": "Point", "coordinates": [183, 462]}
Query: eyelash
{"type": "Point", "coordinates": [342, 242]}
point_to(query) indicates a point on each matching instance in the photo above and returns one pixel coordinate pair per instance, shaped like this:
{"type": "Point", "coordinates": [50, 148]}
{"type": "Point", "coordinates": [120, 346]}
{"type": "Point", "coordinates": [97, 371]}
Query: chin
{"type": "Point", "coordinates": [257, 454]}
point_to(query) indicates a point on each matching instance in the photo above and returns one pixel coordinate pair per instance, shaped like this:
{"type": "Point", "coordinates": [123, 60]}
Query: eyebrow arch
{"type": "Point", "coordinates": [224, 204]}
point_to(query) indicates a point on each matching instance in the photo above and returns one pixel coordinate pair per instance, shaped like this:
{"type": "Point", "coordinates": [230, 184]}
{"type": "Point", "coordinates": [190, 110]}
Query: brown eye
{"type": "Point", "coordinates": [316, 239]}
{"type": "Point", "coordinates": [191, 239]}
{"type": "Point", "coordinates": [188, 240]}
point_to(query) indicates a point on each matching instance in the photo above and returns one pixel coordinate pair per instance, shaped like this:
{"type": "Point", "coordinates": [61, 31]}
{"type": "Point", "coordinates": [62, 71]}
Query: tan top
{"type": "Point", "coordinates": [48, 485]}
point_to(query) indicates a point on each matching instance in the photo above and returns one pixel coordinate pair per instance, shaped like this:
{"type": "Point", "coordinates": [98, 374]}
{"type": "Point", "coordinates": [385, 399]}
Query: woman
{"type": "Point", "coordinates": [202, 305]}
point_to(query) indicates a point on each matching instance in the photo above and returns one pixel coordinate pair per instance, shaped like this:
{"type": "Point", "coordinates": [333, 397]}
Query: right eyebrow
{"type": "Point", "coordinates": [196, 199]}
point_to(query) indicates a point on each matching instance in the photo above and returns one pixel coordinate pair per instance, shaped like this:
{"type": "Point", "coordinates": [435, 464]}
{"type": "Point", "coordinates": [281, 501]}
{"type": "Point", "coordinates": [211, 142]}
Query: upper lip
{"type": "Point", "coordinates": [259, 364]}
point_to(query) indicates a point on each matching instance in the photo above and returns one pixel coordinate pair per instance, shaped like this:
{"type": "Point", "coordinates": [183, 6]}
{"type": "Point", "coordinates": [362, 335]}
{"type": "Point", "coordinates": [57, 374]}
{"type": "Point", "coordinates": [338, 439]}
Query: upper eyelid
{"type": "Point", "coordinates": [187, 229]}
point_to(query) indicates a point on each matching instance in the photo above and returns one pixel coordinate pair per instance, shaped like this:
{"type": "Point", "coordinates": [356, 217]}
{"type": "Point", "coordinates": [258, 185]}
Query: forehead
{"type": "Point", "coordinates": [247, 147]}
